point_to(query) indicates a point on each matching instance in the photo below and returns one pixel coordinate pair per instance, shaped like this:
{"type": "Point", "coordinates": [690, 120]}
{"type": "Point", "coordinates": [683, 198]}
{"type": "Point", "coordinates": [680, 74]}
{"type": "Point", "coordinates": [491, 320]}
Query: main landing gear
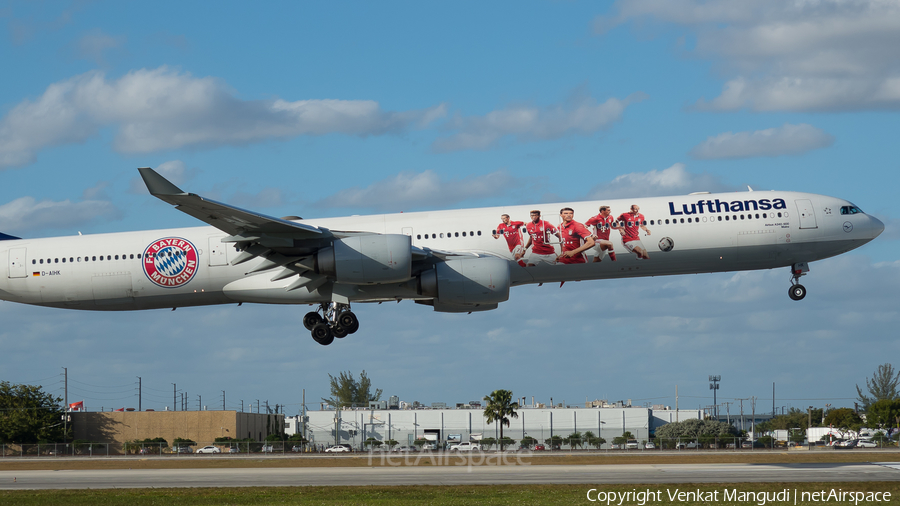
{"type": "Point", "coordinates": [335, 320]}
{"type": "Point", "coordinates": [798, 291]}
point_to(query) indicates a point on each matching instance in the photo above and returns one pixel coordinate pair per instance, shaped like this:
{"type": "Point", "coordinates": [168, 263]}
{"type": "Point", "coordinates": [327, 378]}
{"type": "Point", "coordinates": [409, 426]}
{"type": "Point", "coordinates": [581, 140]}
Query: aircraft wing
{"type": "Point", "coordinates": [240, 223]}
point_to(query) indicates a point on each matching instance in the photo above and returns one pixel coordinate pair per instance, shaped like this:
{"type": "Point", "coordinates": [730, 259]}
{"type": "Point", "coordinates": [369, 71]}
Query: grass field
{"type": "Point", "coordinates": [536, 495]}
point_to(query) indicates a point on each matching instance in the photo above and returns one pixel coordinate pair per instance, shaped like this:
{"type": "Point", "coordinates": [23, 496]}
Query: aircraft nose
{"type": "Point", "coordinates": [876, 226]}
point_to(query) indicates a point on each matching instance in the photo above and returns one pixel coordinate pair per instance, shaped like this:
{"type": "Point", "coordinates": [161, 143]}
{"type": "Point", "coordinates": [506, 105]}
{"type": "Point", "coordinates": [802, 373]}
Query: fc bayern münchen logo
{"type": "Point", "coordinates": [170, 262]}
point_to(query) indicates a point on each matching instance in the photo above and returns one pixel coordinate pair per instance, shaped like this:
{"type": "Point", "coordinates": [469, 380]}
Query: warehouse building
{"type": "Point", "coordinates": [442, 426]}
{"type": "Point", "coordinates": [119, 427]}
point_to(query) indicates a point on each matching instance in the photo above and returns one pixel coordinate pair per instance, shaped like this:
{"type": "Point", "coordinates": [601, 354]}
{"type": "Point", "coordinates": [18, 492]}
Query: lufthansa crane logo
{"type": "Point", "coordinates": [848, 227]}
{"type": "Point", "coordinates": [170, 262]}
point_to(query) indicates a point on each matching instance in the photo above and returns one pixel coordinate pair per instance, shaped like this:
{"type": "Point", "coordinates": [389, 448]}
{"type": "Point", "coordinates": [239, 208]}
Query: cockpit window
{"type": "Point", "coordinates": [850, 210]}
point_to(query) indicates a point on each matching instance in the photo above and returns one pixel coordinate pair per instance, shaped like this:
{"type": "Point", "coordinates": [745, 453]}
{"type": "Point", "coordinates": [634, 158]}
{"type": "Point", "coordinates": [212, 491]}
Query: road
{"type": "Point", "coordinates": [449, 475]}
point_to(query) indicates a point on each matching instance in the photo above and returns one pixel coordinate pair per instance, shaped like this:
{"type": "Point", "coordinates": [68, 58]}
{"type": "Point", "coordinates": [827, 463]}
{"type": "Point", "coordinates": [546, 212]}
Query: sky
{"type": "Point", "coordinates": [332, 109]}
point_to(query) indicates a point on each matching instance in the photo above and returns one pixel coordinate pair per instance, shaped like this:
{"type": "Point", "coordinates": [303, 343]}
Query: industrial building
{"type": "Point", "coordinates": [119, 427]}
{"type": "Point", "coordinates": [467, 423]}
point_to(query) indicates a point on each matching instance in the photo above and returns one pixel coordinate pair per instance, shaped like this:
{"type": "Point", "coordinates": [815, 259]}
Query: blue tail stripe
{"type": "Point", "coordinates": [4, 237]}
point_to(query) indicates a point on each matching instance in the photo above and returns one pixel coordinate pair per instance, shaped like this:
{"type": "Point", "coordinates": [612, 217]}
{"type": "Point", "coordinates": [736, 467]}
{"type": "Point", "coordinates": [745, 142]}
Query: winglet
{"type": "Point", "coordinates": [157, 184]}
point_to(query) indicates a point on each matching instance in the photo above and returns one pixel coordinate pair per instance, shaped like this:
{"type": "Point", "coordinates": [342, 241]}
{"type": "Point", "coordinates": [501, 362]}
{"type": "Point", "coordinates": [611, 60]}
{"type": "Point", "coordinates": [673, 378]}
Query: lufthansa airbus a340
{"type": "Point", "coordinates": [454, 261]}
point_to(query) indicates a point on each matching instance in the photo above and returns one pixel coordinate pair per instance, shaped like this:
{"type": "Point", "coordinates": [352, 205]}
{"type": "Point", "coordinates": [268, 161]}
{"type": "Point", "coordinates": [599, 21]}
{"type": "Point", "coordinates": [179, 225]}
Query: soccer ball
{"type": "Point", "coordinates": [666, 244]}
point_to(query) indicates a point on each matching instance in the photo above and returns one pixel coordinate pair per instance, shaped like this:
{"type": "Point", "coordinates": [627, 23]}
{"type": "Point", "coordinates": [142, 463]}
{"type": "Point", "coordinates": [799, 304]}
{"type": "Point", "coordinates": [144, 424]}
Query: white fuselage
{"type": "Point", "coordinates": [763, 230]}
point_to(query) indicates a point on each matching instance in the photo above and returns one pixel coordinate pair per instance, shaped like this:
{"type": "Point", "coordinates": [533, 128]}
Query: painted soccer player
{"type": "Point", "coordinates": [576, 239]}
{"type": "Point", "coordinates": [629, 226]}
{"type": "Point", "coordinates": [602, 224]}
{"type": "Point", "coordinates": [538, 234]}
{"type": "Point", "coordinates": [512, 230]}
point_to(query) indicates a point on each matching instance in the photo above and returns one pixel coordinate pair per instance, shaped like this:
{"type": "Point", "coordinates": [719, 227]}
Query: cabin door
{"type": "Point", "coordinates": [17, 263]}
{"type": "Point", "coordinates": [807, 214]}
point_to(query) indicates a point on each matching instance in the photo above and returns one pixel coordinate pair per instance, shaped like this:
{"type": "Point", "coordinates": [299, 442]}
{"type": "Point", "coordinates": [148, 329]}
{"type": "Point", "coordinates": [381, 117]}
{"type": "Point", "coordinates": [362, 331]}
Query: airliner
{"type": "Point", "coordinates": [457, 261]}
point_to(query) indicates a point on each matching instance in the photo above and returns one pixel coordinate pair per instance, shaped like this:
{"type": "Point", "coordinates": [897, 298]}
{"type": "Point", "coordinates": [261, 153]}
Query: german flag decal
{"type": "Point", "coordinates": [35, 274]}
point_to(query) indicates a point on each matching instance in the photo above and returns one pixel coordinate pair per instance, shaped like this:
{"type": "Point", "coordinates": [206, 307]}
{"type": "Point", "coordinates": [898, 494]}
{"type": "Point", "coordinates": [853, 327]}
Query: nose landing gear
{"type": "Point", "coordinates": [335, 321]}
{"type": "Point", "coordinates": [798, 291]}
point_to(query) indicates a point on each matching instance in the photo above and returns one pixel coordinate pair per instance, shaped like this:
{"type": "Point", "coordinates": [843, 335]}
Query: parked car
{"type": "Point", "coordinates": [182, 449]}
{"type": "Point", "coordinates": [747, 444]}
{"type": "Point", "coordinates": [465, 447]}
{"type": "Point", "coordinates": [234, 449]}
{"type": "Point", "coordinates": [649, 446]}
{"type": "Point", "coordinates": [428, 447]}
{"type": "Point", "coordinates": [297, 449]}
{"type": "Point", "coordinates": [404, 449]}
{"type": "Point", "coordinates": [539, 448]}
{"type": "Point", "coordinates": [209, 449]}
{"type": "Point", "coordinates": [632, 444]}
{"type": "Point", "coordinates": [344, 448]}
{"type": "Point", "coordinates": [267, 449]}
{"type": "Point", "coordinates": [866, 443]}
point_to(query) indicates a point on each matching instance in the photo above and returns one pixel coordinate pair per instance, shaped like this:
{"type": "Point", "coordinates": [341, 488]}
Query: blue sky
{"type": "Point", "coordinates": [323, 110]}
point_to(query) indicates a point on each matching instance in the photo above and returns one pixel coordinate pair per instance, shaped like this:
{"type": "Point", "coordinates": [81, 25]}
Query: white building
{"type": "Point", "coordinates": [354, 426]}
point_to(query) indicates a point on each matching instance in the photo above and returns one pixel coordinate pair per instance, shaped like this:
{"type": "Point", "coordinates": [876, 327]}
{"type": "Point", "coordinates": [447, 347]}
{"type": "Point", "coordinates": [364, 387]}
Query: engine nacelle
{"type": "Point", "coordinates": [467, 281]}
{"type": "Point", "coordinates": [367, 259]}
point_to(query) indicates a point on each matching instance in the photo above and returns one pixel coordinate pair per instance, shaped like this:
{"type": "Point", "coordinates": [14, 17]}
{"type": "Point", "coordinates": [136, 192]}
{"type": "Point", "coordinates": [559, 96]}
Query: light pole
{"type": "Point", "coordinates": [714, 385]}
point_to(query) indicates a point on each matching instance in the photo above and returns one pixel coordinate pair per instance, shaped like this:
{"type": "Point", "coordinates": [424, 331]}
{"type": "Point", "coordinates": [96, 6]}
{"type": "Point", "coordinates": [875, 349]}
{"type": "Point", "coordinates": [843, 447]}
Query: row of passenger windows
{"type": "Point", "coordinates": [672, 221]}
{"type": "Point", "coordinates": [98, 258]}
{"type": "Point", "coordinates": [448, 235]}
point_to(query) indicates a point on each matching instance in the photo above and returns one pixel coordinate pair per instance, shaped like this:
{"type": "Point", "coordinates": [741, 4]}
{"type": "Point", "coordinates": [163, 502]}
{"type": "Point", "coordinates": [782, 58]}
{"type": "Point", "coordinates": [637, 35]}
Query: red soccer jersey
{"type": "Point", "coordinates": [602, 225]}
{"type": "Point", "coordinates": [632, 223]}
{"type": "Point", "coordinates": [539, 233]}
{"type": "Point", "coordinates": [512, 232]}
{"type": "Point", "coordinates": [573, 233]}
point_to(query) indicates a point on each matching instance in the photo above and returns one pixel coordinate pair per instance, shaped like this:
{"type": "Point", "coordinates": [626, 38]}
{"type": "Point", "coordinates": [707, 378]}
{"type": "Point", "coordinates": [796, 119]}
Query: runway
{"type": "Point", "coordinates": [448, 475]}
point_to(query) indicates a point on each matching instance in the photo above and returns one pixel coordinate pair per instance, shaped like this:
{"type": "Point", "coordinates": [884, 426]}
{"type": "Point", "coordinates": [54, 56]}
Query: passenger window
{"type": "Point", "coordinates": [456, 234]}
{"type": "Point", "coordinates": [472, 234]}
{"type": "Point", "coordinates": [442, 235]}
{"type": "Point", "coordinates": [479, 232]}
{"type": "Point", "coordinates": [720, 218]}
{"type": "Point", "coordinates": [117, 257]}
{"type": "Point", "coordinates": [33, 261]}
{"type": "Point", "coordinates": [139, 256]}
{"type": "Point", "coordinates": [464, 234]}
{"type": "Point", "coordinates": [779, 215]}
{"type": "Point", "coordinates": [682, 220]}
{"type": "Point", "coordinates": [64, 259]}
{"type": "Point", "coordinates": [667, 222]}
{"type": "Point", "coordinates": [757, 216]}
{"type": "Point", "coordinates": [79, 259]}
{"type": "Point", "coordinates": [42, 260]}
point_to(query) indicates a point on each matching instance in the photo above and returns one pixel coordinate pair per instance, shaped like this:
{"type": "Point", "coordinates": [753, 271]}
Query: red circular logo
{"type": "Point", "coordinates": [170, 262]}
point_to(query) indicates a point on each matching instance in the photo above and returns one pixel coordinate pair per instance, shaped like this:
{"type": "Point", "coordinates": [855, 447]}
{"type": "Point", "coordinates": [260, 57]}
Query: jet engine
{"type": "Point", "coordinates": [464, 284]}
{"type": "Point", "coordinates": [367, 259]}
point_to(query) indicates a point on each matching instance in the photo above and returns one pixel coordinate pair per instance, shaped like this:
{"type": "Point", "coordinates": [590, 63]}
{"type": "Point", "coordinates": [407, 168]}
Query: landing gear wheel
{"type": "Point", "coordinates": [321, 334]}
{"type": "Point", "coordinates": [349, 321]}
{"type": "Point", "coordinates": [311, 320]}
{"type": "Point", "coordinates": [339, 331]}
{"type": "Point", "coordinates": [797, 292]}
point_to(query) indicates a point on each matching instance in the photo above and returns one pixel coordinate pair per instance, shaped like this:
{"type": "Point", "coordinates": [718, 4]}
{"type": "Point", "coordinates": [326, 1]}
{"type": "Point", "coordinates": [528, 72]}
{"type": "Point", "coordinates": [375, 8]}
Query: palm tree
{"type": "Point", "coordinates": [500, 408]}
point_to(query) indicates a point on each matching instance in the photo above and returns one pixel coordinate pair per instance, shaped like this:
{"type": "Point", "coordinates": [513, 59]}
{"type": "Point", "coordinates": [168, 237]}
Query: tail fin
{"type": "Point", "coordinates": [4, 237]}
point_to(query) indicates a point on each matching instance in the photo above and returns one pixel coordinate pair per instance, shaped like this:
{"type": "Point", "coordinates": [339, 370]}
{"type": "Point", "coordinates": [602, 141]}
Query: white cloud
{"type": "Point", "coordinates": [673, 180]}
{"type": "Point", "coordinates": [823, 55]}
{"type": "Point", "coordinates": [784, 140]}
{"type": "Point", "coordinates": [424, 189]}
{"type": "Point", "coordinates": [579, 115]}
{"type": "Point", "coordinates": [26, 214]}
{"type": "Point", "coordinates": [161, 109]}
